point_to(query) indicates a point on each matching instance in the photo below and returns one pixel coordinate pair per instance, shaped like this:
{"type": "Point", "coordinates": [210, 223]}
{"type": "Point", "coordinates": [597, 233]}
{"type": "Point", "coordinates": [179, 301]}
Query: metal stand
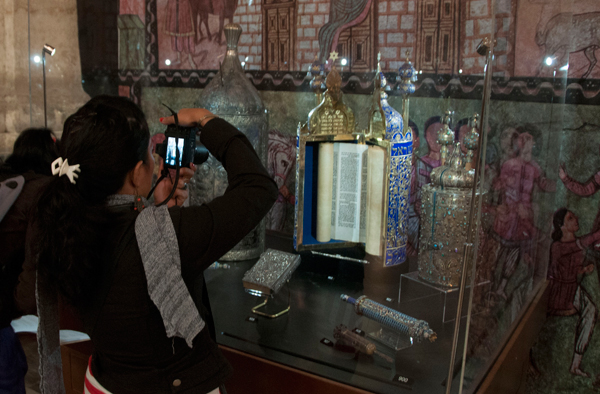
{"type": "Point", "coordinates": [391, 339]}
{"type": "Point", "coordinates": [44, 81]}
{"type": "Point", "coordinates": [47, 49]}
{"type": "Point", "coordinates": [442, 301]}
{"type": "Point", "coordinates": [274, 315]}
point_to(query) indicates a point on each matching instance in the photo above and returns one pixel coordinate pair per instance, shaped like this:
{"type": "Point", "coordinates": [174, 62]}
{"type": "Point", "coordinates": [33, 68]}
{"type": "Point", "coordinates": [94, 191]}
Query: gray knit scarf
{"type": "Point", "coordinates": [159, 250]}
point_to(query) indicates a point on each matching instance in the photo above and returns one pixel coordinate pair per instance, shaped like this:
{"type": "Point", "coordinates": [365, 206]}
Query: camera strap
{"type": "Point", "coordinates": [165, 171]}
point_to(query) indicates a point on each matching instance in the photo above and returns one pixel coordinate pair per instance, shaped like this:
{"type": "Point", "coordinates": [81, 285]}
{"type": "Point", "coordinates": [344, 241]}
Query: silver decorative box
{"type": "Point", "coordinates": [270, 272]}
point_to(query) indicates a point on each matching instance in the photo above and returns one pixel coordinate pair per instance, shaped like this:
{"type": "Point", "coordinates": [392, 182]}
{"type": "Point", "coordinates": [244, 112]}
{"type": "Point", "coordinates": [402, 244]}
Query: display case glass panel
{"type": "Point", "coordinates": [537, 109]}
{"type": "Point", "coordinates": [542, 149]}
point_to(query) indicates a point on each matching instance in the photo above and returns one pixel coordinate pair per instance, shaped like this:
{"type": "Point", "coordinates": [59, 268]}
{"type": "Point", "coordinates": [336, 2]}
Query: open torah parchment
{"type": "Point", "coordinates": [349, 200]}
{"type": "Point", "coordinates": [350, 193]}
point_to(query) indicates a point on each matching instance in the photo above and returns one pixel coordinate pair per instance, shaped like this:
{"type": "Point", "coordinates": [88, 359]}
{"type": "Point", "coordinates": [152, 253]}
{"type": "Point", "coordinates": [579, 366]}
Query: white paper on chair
{"type": "Point", "coordinates": [29, 324]}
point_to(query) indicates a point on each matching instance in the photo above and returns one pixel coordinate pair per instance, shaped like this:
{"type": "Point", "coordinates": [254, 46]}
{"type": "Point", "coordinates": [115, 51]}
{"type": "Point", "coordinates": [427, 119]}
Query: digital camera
{"type": "Point", "coordinates": [180, 142]}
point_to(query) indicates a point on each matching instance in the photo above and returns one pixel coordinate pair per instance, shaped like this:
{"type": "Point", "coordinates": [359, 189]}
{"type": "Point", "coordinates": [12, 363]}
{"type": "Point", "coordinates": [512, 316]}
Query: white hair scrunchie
{"type": "Point", "coordinates": [60, 168]}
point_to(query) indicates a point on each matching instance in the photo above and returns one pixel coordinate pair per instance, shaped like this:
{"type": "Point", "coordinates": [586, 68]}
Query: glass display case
{"type": "Point", "coordinates": [504, 136]}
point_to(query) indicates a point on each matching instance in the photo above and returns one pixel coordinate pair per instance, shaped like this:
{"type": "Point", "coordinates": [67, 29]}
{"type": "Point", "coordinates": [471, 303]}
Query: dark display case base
{"type": "Point", "coordinates": [296, 353]}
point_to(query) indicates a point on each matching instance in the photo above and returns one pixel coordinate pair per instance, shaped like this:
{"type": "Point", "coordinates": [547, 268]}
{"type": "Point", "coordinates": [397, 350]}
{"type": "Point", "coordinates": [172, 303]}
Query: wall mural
{"type": "Point", "coordinates": [544, 54]}
{"type": "Point", "coordinates": [550, 36]}
{"type": "Point", "coordinates": [184, 42]}
{"type": "Point", "coordinates": [566, 357]}
{"type": "Point", "coordinates": [282, 166]}
{"type": "Point", "coordinates": [190, 32]}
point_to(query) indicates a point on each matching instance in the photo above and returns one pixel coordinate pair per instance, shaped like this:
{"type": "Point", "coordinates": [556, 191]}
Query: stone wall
{"type": "Point", "coordinates": [477, 17]}
{"type": "Point", "coordinates": [397, 26]}
{"type": "Point", "coordinates": [250, 17]}
{"type": "Point", "coordinates": [312, 14]}
{"type": "Point", "coordinates": [22, 102]}
{"type": "Point", "coordinates": [505, 35]}
{"type": "Point", "coordinates": [14, 74]}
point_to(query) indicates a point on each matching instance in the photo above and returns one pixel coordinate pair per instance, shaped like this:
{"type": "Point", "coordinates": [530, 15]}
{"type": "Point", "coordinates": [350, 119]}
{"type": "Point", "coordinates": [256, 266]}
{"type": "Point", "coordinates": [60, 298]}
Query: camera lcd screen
{"type": "Point", "coordinates": [172, 144]}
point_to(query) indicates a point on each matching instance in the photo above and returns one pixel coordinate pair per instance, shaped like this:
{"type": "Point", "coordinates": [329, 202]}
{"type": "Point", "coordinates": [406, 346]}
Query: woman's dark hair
{"type": "Point", "coordinates": [558, 220]}
{"type": "Point", "coordinates": [107, 137]}
{"type": "Point", "coordinates": [34, 150]}
{"type": "Point", "coordinates": [429, 122]}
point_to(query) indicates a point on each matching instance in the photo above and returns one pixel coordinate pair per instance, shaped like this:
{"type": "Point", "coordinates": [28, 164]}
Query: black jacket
{"type": "Point", "coordinates": [132, 353]}
{"type": "Point", "coordinates": [13, 232]}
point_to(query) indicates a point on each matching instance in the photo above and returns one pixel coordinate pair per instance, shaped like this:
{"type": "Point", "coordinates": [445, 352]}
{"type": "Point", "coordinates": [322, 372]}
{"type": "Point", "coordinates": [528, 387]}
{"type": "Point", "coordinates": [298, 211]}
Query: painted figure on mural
{"type": "Point", "coordinates": [582, 189]}
{"type": "Point", "coordinates": [508, 150]}
{"type": "Point", "coordinates": [508, 144]}
{"type": "Point", "coordinates": [514, 227]}
{"type": "Point", "coordinates": [281, 162]}
{"type": "Point", "coordinates": [433, 158]}
{"type": "Point", "coordinates": [414, 210]}
{"type": "Point", "coordinates": [200, 11]}
{"type": "Point", "coordinates": [179, 25]}
{"type": "Point", "coordinates": [559, 32]}
{"type": "Point", "coordinates": [461, 129]}
{"type": "Point", "coordinates": [567, 296]}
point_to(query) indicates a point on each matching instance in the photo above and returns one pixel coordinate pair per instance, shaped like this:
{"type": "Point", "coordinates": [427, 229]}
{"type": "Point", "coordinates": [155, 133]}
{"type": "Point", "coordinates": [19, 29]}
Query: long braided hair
{"type": "Point", "coordinates": [107, 137]}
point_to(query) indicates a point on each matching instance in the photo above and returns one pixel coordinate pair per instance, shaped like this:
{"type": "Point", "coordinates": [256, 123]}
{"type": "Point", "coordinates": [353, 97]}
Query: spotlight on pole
{"type": "Point", "coordinates": [50, 50]}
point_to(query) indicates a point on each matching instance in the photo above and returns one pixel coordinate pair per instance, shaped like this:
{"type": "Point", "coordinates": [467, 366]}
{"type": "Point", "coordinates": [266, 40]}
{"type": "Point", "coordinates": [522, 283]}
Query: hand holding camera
{"type": "Point", "coordinates": [180, 153]}
{"type": "Point", "coordinates": [163, 189]}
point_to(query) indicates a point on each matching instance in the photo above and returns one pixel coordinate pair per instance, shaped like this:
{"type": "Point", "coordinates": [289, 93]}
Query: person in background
{"type": "Point", "coordinates": [34, 151]}
{"type": "Point", "coordinates": [28, 167]}
{"type": "Point", "coordinates": [134, 273]}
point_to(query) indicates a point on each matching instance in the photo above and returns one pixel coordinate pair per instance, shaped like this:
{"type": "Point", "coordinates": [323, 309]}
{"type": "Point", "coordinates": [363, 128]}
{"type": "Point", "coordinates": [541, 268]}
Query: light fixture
{"type": "Point", "coordinates": [50, 50]}
{"type": "Point", "coordinates": [37, 59]}
{"type": "Point", "coordinates": [460, 71]}
{"type": "Point", "coordinates": [549, 61]}
{"type": "Point", "coordinates": [484, 46]}
{"type": "Point", "coordinates": [344, 61]}
{"type": "Point", "coordinates": [168, 62]}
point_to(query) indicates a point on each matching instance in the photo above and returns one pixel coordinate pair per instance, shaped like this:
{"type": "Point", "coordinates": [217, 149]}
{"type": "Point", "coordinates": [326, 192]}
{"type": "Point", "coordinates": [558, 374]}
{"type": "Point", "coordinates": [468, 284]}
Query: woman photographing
{"type": "Point", "coordinates": [133, 273]}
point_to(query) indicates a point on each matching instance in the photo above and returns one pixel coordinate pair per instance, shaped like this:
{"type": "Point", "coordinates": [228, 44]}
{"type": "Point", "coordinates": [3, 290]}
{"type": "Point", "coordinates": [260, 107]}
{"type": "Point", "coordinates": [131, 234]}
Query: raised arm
{"type": "Point", "coordinates": [209, 231]}
{"type": "Point", "coordinates": [581, 189]}
{"type": "Point", "coordinates": [589, 239]}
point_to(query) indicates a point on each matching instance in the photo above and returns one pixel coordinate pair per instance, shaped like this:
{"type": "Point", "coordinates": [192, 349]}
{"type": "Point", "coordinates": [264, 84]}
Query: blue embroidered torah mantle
{"type": "Point", "coordinates": [399, 184]}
